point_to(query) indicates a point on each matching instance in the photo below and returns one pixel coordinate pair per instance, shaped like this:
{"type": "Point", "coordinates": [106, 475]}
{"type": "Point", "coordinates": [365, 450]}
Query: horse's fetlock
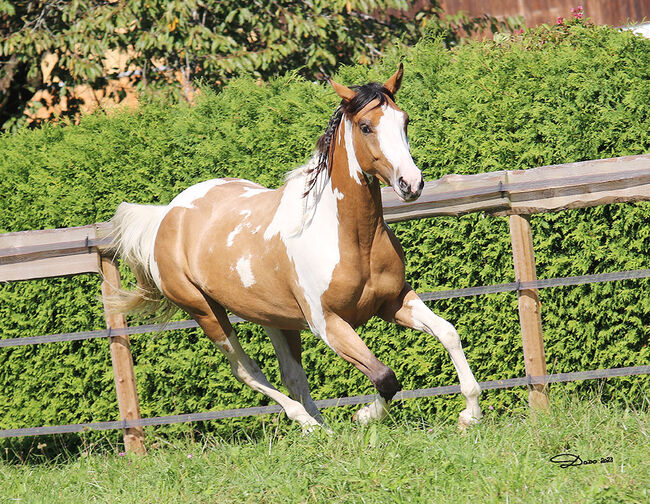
{"type": "Point", "coordinates": [386, 383]}
{"type": "Point", "coordinates": [472, 390]}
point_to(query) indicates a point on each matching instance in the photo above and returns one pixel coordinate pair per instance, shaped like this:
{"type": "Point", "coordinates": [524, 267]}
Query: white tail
{"type": "Point", "coordinates": [134, 232]}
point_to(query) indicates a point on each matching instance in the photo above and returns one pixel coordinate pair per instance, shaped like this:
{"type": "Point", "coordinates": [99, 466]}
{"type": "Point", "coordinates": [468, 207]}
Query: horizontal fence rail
{"type": "Point", "coordinates": [324, 403]}
{"type": "Point", "coordinates": [425, 296]}
{"type": "Point", "coordinates": [536, 190]}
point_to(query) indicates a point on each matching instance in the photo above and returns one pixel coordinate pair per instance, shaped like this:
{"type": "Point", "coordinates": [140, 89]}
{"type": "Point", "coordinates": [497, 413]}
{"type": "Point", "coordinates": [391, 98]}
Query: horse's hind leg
{"type": "Point", "coordinates": [288, 349]}
{"type": "Point", "coordinates": [213, 320]}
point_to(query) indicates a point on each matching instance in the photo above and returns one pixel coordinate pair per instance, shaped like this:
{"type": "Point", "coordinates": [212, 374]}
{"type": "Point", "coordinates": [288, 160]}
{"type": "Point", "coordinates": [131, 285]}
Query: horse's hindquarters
{"type": "Point", "coordinates": [213, 246]}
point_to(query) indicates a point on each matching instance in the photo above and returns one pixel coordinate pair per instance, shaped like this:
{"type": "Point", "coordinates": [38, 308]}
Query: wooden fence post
{"type": "Point", "coordinates": [529, 308]}
{"type": "Point", "coordinates": [127, 395]}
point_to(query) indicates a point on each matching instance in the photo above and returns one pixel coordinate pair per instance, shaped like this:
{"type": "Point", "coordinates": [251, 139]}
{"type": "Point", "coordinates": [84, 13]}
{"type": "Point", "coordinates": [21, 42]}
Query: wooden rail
{"type": "Point", "coordinates": [524, 192]}
{"type": "Point", "coordinates": [27, 255]}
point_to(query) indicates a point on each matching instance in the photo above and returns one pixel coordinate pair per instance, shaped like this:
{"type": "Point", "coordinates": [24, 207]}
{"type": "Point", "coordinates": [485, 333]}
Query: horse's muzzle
{"type": "Point", "coordinates": [407, 191]}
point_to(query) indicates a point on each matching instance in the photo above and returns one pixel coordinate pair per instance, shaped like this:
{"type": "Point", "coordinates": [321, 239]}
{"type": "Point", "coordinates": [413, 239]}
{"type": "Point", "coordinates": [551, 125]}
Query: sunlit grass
{"type": "Point", "coordinates": [504, 459]}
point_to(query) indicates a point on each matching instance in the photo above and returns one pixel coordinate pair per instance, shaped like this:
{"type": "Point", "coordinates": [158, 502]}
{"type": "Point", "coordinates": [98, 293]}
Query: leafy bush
{"type": "Point", "coordinates": [561, 94]}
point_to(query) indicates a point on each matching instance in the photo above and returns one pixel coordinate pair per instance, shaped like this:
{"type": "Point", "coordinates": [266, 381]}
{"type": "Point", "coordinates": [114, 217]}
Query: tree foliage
{"type": "Point", "coordinates": [178, 41]}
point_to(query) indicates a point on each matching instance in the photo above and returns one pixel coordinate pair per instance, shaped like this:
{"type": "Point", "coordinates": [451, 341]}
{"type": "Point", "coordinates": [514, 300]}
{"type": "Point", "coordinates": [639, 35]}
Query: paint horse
{"type": "Point", "coordinates": [315, 253]}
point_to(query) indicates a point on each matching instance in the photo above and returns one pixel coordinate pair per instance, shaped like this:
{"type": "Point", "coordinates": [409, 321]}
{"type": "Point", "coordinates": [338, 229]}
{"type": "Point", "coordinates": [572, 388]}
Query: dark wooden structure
{"type": "Point", "coordinates": [536, 12]}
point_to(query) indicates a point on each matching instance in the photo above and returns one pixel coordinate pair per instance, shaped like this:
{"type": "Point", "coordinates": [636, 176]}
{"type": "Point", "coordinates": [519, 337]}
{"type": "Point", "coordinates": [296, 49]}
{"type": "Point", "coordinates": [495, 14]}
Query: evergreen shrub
{"type": "Point", "coordinates": [555, 95]}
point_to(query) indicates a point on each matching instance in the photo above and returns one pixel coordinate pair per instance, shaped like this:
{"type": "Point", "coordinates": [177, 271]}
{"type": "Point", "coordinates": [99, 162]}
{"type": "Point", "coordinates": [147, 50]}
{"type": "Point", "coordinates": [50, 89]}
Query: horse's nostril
{"type": "Point", "coordinates": [404, 185]}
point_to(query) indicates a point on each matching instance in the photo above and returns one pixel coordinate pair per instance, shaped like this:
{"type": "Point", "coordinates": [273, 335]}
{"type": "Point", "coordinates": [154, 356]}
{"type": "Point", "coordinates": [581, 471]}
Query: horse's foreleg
{"type": "Point", "coordinates": [409, 310]}
{"type": "Point", "coordinates": [344, 340]}
{"type": "Point", "coordinates": [288, 349]}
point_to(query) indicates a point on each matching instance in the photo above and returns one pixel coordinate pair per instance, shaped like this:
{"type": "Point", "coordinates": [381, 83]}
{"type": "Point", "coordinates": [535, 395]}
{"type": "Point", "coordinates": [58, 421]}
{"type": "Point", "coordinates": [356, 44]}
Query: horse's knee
{"type": "Point", "coordinates": [448, 336]}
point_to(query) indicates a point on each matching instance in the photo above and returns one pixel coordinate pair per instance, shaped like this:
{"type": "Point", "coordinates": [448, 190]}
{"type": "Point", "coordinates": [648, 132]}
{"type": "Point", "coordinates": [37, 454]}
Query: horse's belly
{"type": "Point", "coordinates": [253, 286]}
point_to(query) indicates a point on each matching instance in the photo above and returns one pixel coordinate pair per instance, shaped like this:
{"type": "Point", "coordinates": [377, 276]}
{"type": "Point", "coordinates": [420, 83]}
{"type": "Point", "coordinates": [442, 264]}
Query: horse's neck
{"type": "Point", "coordinates": [346, 199]}
{"type": "Point", "coordinates": [359, 206]}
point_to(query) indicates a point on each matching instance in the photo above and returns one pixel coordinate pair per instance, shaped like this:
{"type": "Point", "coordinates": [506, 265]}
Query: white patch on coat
{"type": "Point", "coordinates": [395, 146]}
{"type": "Point", "coordinates": [231, 236]}
{"type": "Point", "coordinates": [245, 271]}
{"type": "Point", "coordinates": [233, 233]}
{"type": "Point", "coordinates": [252, 191]}
{"type": "Point", "coordinates": [187, 198]}
{"type": "Point", "coordinates": [338, 194]}
{"type": "Point", "coordinates": [314, 248]}
{"type": "Point", "coordinates": [353, 163]}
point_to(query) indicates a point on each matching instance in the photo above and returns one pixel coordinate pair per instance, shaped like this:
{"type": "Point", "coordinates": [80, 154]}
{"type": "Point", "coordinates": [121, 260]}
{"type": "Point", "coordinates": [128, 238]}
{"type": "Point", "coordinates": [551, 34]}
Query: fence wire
{"type": "Point", "coordinates": [325, 403]}
{"type": "Point", "coordinates": [425, 296]}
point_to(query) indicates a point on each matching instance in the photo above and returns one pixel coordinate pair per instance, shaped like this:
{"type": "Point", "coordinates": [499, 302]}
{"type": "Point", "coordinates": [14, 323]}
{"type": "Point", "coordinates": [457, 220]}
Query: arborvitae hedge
{"type": "Point", "coordinates": [559, 95]}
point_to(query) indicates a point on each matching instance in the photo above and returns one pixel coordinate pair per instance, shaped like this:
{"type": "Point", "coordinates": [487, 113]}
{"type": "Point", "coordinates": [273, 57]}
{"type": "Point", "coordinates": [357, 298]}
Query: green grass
{"type": "Point", "coordinates": [504, 459]}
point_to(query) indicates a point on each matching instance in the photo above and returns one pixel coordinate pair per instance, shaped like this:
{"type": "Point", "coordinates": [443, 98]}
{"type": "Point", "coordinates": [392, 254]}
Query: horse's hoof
{"type": "Point", "coordinates": [308, 430]}
{"type": "Point", "coordinates": [370, 413]}
{"type": "Point", "coordinates": [466, 419]}
{"type": "Point", "coordinates": [361, 417]}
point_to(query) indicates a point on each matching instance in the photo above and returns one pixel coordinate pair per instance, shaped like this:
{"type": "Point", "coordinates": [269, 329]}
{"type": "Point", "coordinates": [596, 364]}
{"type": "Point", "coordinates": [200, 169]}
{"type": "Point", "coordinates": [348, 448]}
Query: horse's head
{"type": "Point", "coordinates": [379, 135]}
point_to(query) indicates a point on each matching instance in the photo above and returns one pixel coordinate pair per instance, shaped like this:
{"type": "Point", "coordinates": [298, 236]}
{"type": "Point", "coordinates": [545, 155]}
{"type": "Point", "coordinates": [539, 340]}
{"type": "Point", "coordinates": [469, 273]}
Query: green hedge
{"type": "Point", "coordinates": [557, 95]}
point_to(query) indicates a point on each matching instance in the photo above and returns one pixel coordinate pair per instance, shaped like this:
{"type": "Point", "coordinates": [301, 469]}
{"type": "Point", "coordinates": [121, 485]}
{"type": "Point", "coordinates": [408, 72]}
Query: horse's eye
{"type": "Point", "coordinates": [365, 129]}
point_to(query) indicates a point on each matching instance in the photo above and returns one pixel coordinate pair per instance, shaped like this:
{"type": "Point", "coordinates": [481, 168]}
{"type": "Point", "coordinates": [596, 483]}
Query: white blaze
{"type": "Point", "coordinates": [395, 146]}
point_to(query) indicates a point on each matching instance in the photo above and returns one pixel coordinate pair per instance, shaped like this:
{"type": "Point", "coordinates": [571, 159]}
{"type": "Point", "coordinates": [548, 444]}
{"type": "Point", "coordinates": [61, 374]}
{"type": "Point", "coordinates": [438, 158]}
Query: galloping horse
{"type": "Point", "coordinates": [314, 253]}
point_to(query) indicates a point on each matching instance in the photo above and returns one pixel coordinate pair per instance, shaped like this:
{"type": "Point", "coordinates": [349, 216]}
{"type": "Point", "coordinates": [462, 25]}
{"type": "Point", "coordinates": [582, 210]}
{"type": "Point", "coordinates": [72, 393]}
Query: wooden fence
{"type": "Point", "coordinates": [29, 255]}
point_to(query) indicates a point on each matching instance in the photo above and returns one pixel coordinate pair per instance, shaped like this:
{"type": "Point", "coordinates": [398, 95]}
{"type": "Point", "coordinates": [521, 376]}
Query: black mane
{"type": "Point", "coordinates": [365, 94]}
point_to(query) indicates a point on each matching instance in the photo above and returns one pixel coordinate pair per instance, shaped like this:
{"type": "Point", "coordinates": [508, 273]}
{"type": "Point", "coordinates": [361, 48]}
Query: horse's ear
{"type": "Point", "coordinates": [394, 83]}
{"type": "Point", "coordinates": [344, 92]}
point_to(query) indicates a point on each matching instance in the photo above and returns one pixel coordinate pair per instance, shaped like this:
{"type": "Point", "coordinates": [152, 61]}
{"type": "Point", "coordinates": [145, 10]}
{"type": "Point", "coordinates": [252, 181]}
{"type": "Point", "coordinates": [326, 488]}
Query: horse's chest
{"type": "Point", "coordinates": [365, 279]}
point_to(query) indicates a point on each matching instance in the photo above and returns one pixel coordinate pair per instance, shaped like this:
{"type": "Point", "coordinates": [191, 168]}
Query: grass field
{"type": "Point", "coordinates": [504, 459]}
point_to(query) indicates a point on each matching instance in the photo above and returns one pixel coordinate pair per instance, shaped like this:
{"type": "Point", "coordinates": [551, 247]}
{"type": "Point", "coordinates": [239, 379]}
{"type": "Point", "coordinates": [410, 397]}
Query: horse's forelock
{"type": "Point", "coordinates": [366, 94]}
